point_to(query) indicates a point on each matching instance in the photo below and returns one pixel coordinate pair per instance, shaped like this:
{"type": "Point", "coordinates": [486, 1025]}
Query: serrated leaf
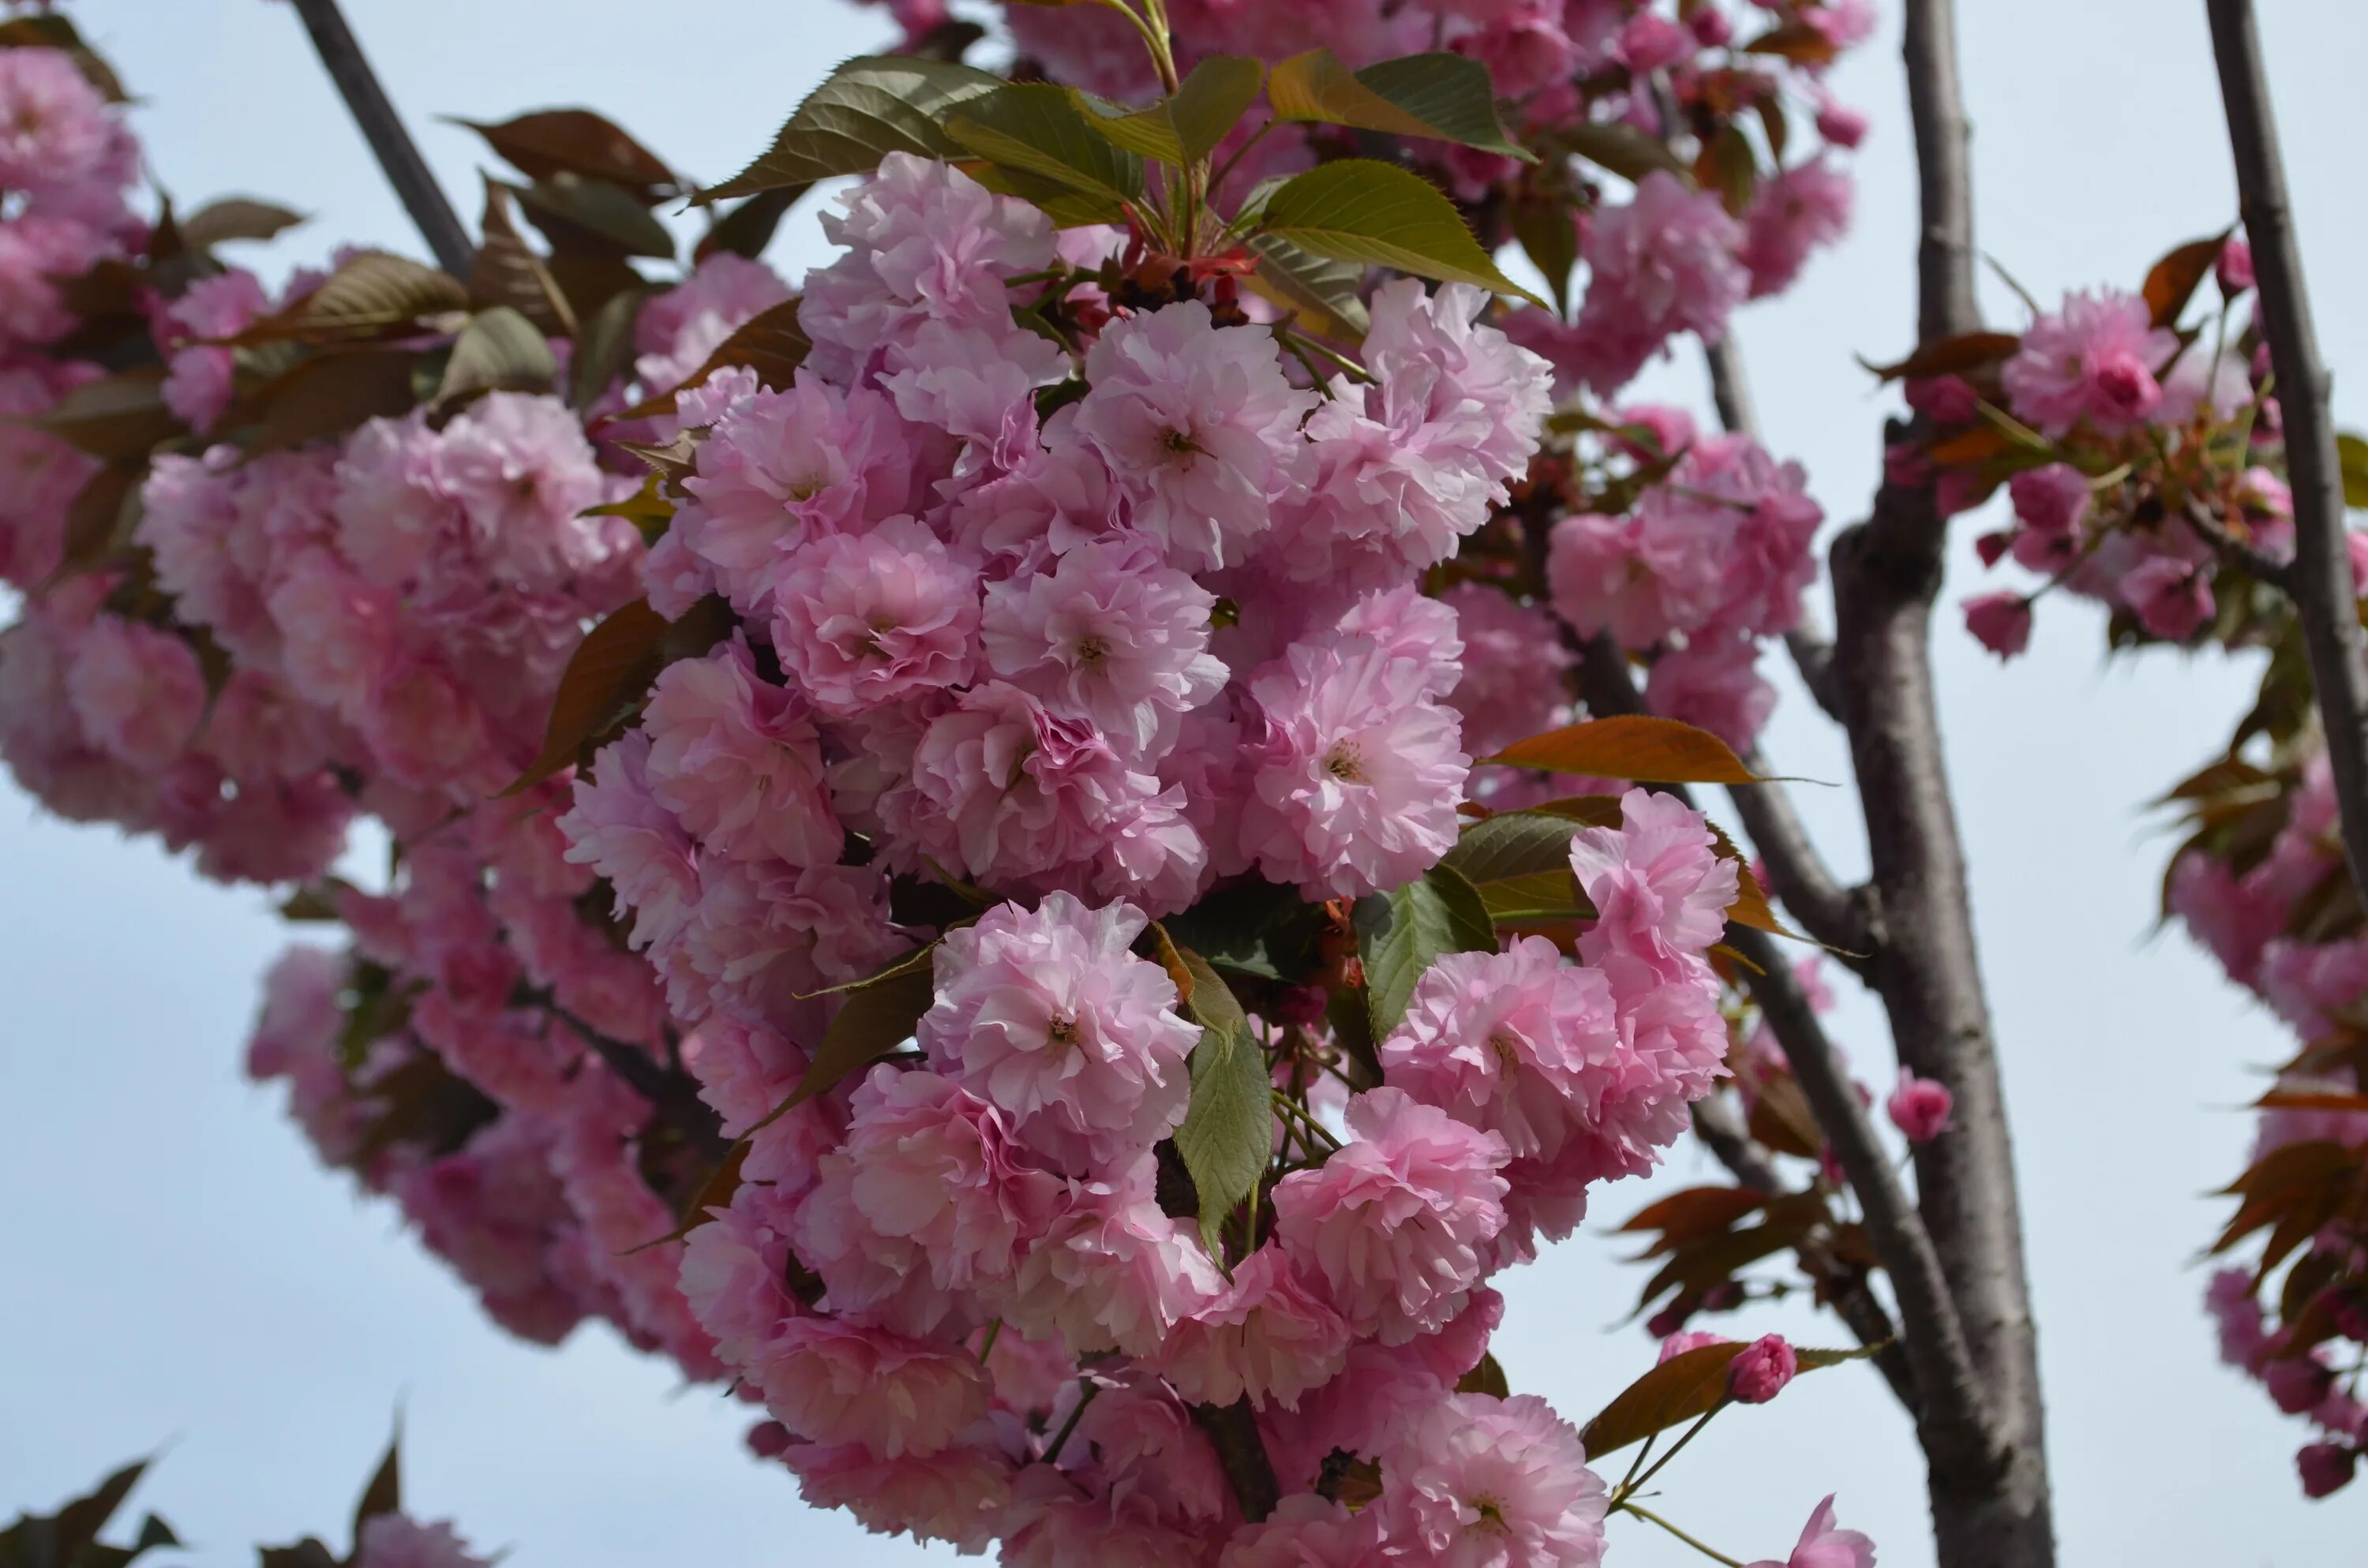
{"type": "Point", "coordinates": [1632, 746]}
{"type": "Point", "coordinates": [748, 228]}
{"type": "Point", "coordinates": [1186, 126]}
{"type": "Point", "coordinates": [2172, 281]}
{"type": "Point", "coordinates": [878, 1015]}
{"type": "Point", "coordinates": [1320, 292]}
{"type": "Point", "coordinates": [769, 343]}
{"type": "Point", "coordinates": [499, 350]}
{"type": "Point", "coordinates": [1619, 147]}
{"type": "Point", "coordinates": [572, 207]}
{"type": "Point", "coordinates": [1443, 97]}
{"type": "Point", "coordinates": [332, 394]}
{"type": "Point", "coordinates": [1359, 211]}
{"type": "Point", "coordinates": [233, 218]}
{"type": "Point", "coordinates": [867, 108]}
{"type": "Point", "coordinates": [374, 294]}
{"type": "Point", "coordinates": [1228, 1131]}
{"type": "Point", "coordinates": [1401, 933]}
{"type": "Point", "coordinates": [1040, 130]}
{"type": "Point", "coordinates": [574, 140]}
{"type": "Point", "coordinates": [101, 516]}
{"type": "Point", "coordinates": [1683, 1388]}
{"type": "Point", "coordinates": [507, 270]}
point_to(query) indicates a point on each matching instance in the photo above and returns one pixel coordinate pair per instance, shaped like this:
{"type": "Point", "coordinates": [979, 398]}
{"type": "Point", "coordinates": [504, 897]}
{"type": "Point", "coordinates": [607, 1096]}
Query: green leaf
{"type": "Point", "coordinates": [748, 228]}
{"type": "Point", "coordinates": [384, 1493]}
{"type": "Point", "coordinates": [1446, 97]}
{"type": "Point", "coordinates": [879, 1015]}
{"type": "Point", "coordinates": [868, 109]}
{"type": "Point", "coordinates": [498, 350]}
{"type": "Point", "coordinates": [1549, 236]}
{"type": "Point", "coordinates": [604, 346]}
{"type": "Point", "coordinates": [1322, 294]}
{"type": "Point", "coordinates": [1228, 1131]}
{"type": "Point", "coordinates": [597, 213]}
{"type": "Point", "coordinates": [2352, 453]}
{"type": "Point", "coordinates": [1647, 750]}
{"type": "Point", "coordinates": [1399, 934]}
{"type": "Point", "coordinates": [1040, 130]}
{"type": "Point", "coordinates": [1520, 865]}
{"type": "Point", "coordinates": [1683, 1388]}
{"type": "Point", "coordinates": [1488, 1377]}
{"type": "Point", "coordinates": [1729, 167]}
{"type": "Point", "coordinates": [1617, 146]}
{"type": "Point", "coordinates": [1184, 128]}
{"type": "Point", "coordinates": [1361, 210]}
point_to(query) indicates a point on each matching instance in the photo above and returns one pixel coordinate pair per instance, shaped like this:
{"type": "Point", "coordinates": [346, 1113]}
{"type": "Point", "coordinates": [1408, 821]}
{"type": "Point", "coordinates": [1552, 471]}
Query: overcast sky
{"type": "Point", "coordinates": [178, 1272]}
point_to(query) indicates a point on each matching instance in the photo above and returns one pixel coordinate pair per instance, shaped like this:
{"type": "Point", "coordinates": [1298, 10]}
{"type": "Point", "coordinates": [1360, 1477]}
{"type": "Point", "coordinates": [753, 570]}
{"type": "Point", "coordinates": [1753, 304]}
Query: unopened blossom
{"type": "Point", "coordinates": [1048, 1017]}
{"type": "Point", "coordinates": [1515, 1043]}
{"type": "Point", "coordinates": [2326, 1468]}
{"type": "Point", "coordinates": [1111, 635]}
{"type": "Point", "coordinates": [2095, 361]}
{"type": "Point", "coordinates": [864, 619]}
{"type": "Point", "coordinates": [1269, 1336]}
{"type": "Point", "coordinates": [738, 761]}
{"type": "Point", "coordinates": [1197, 423]}
{"type": "Point", "coordinates": [1761, 1370]}
{"type": "Point", "coordinates": [2171, 597]}
{"type": "Point", "coordinates": [1478, 1482]}
{"type": "Point", "coordinates": [833, 1381]}
{"type": "Point", "coordinates": [1823, 1545]}
{"type": "Point", "coordinates": [1919, 1107]}
{"type": "Point", "coordinates": [1393, 1223]}
{"type": "Point", "coordinates": [1357, 773]}
{"type": "Point", "coordinates": [1999, 621]}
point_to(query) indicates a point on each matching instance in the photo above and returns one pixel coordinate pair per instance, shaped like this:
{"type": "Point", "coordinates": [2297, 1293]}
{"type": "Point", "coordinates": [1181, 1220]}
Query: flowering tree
{"type": "Point", "coordinates": [1044, 853]}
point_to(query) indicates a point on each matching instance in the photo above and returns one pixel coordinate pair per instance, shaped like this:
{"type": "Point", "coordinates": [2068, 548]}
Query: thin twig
{"type": "Point", "coordinates": [2238, 552]}
{"type": "Point", "coordinates": [2321, 583]}
{"type": "Point", "coordinates": [398, 155]}
{"type": "Point", "coordinates": [1653, 1518]}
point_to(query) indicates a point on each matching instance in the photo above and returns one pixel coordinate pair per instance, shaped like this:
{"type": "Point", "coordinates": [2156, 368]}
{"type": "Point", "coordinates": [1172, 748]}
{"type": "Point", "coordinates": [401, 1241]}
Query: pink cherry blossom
{"type": "Point", "coordinates": [1662, 264]}
{"type": "Point", "coordinates": [738, 762]}
{"type": "Point", "coordinates": [136, 690]}
{"type": "Point", "coordinates": [397, 1540]}
{"type": "Point", "coordinates": [2000, 623]}
{"type": "Point", "coordinates": [1114, 1272]}
{"type": "Point", "coordinates": [1484, 1482]}
{"type": "Point", "coordinates": [1824, 1546]}
{"type": "Point", "coordinates": [1268, 1337]}
{"type": "Point", "coordinates": [834, 1383]}
{"type": "Point", "coordinates": [1761, 1370]}
{"type": "Point", "coordinates": [864, 619]}
{"type": "Point", "coordinates": [1307, 1531]}
{"type": "Point", "coordinates": [957, 1495]}
{"type": "Point", "coordinates": [1660, 889]}
{"type": "Point", "coordinates": [1919, 1107]}
{"type": "Point", "coordinates": [2095, 361]}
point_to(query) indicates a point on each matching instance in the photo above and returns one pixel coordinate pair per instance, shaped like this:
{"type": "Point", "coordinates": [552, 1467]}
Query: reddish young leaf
{"type": "Point", "coordinates": [610, 670]}
{"type": "Point", "coordinates": [577, 142]}
{"type": "Point", "coordinates": [1683, 1388]}
{"type": "Point", "coordinates": [1697, 1211]}
{"type": "Point", "coordinates": [1650, 751]}
{"type": "Point", "coordinates": [2172, 281]}
{"type": "Point", "coordinates": [1950, 356]}
{"type": "Point", "coordinates": [771, 343]}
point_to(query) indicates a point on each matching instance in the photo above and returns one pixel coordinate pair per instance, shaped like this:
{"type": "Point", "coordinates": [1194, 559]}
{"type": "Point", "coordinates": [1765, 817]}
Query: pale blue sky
{"type": "Point", "coordinates": [177, 1271]}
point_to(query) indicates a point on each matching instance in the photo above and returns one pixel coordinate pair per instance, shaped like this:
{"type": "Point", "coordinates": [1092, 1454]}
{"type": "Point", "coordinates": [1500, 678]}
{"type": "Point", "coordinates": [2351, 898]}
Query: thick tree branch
{"type": "Point", "coordinates": [1944, 174]}
{"type": "Point", "coordinates": [2320, 580]}
{"type": "Point", "coordinates": [1832, 914]}
{"type": "Point", "coordinates": [397, 155]}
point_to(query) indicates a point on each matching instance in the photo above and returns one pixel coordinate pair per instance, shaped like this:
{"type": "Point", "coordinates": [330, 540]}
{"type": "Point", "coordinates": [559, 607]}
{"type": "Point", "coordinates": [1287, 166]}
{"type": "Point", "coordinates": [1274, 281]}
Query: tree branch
{"type": "Point", "coordinates": [2321, 583]}
{"type": "Point", "coordinates": [397, 155]}
{"type": "Point", "coordinates": [1944, 175]}
{"type": "Point", "coordinates": [1836, 917]}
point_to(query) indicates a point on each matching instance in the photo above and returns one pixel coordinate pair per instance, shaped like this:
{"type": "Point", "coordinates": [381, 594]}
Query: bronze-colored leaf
{"type": "Point", "coordinates": [235, 218]}
{"type": "Point", "coordinates": [333, 393]}
{"type": "Point", "coordinates": [770, 343]}
{"type": "Point", "coordinates": [1697, 1211]}
{"type": "Point", "coordinates": [508, 271]}
{"type": "Point", "coordinates": [116, 418]}
{"type": "Point", "coordinates": [577, 142]}
{"type": "Point", "coordinates": [1950, 356]}
{"type": "Point", "coordinates": [610, 671]}
{"type": "Point", "coordinates": [1683, 1388]}
{"type": "Point", "coordinates": [1648, 750]}
{"type": "Point", "coordinates": [2172, 281]}
{"type": "Point", "coordinates": [878, 1015]}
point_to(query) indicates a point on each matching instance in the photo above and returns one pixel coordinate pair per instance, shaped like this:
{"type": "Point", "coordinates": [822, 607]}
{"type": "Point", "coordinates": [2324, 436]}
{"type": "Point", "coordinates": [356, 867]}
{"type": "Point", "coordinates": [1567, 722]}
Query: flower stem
{"type": "Point", "coordinates": [1651, 1517]}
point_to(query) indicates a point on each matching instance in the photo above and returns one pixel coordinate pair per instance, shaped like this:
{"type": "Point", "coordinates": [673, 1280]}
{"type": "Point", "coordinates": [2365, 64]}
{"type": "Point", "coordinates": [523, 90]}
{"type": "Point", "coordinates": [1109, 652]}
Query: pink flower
{"type": "Point", "coordinates": [2235, 267]}
{"type": "Point", "coordinates": [1268, 1337]}
{"type": "Point", "coordinates": [1665, 262]}
{"type": "Point", "coordinates": [834, 1383]}
{"type": "Point", "coordinates": [1357, 774]}
{"type": "Point", "coordinates": [676, 331]}
{"type": "Point", "coordinates": [618, 828]}
{"type": "Point", "coordinates": [2326, 1468]}
{"type": "Point", "coordinates": [1714, 683]}
{"type": "Point", "coordinates": [1802, 209]}
{"type": "Point", "coordinates": [199, 389]}
{"type": "Point", "coordinates": [1110, 636]}
{"type": "Point", "coordinates": [1761, 1370]}
{"type": "Point", "coordinates": [1823, 1546]}
{"type": "Point", "coordinates": [1393, 1223]}
{"type": "Point", "coordinates": [1477, 1481]}
{"type": "Point", "coordinates": [1511, 1043]}
{"type": "Point", "coordinates": [1838, 122]}
{"type": "Point", "coordinates": [863, 619]}
{"type": "Point", "coordinates": [397, 1540]}
{"type": "Point", "coordinates": [1514, 665]}
{"type": "Point", "coordinates": [1678, 1344]}
{"type": "Point", "coordinates": [1048, 1018]}
{"type": "Point", "coordinates": [522, 472]}
{"type": "Point", "coordinates": [2171, 597]}
{"type": "Point", "coordinates": [1919, 1107]}
{"type": "Point", "coordinates": [54, 128]}
{"type": "Point", "coordinates": [2000, 623]}
{"type": "Point", "coordinates": [1198, 424]}
{"type": "Point", "coordinates": [1003, 791]}
{"type": "Point", "coordinates": [1114, 1272]}
{"type": "Point", "coordinates": [136, 690]}
{"type": "Point", "coordinates": [763, 936]}
{"type": "Point", "coordinates": [340, 631]}
{"type": "Point", "coordinates": [2095, 361]}
{"type": "Point", "coordinates": [933, 1164]}
{"type": "Point", "coordinates": [1660, 888]}
{"type": "Point", "coordinates": [780, 468]}
{"type": "Point", "coordinates": [734, 1275]}
{"type": "Point", "coordinates": [1650, 41]}
{"type": "Point", "coordinates": [738, 763]}
{"type": "Point", "coordinates": [957, 1495]}
{"type": "Point", "coordinates": [1307, 1531]}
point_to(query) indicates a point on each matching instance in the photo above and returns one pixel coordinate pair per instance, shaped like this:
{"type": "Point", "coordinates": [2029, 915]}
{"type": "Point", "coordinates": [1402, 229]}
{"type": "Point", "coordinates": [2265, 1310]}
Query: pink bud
{"type": "Point", "coordinates": [1759, 1372]}
{"type": "Point", "coordinates": [1711, 27]}
{"type": "Point", "coordinates": [2295, 1386]}
{"type": "Point", "coordinates": [1841, 124]}
{"type": "Point", "coordinates": [1991, 547]}
{"type": "Point", "coordinates": [2000, 623]}
{"type": "Point", "coordinates": [1679, 1343]}
{"type": "Point", "coordinates": [1919, 1107]}
{"type": "Point", "coordinates": [1944, 400]}
{"type": "Point", "coordinates": [768, 1439]}
{"type": "Point", "coordinates": [1650, 41]}
{"type": "Point", "coordinates": [2326, 1467]}
{"type": "Point", "coordinates": [2235, 268]}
